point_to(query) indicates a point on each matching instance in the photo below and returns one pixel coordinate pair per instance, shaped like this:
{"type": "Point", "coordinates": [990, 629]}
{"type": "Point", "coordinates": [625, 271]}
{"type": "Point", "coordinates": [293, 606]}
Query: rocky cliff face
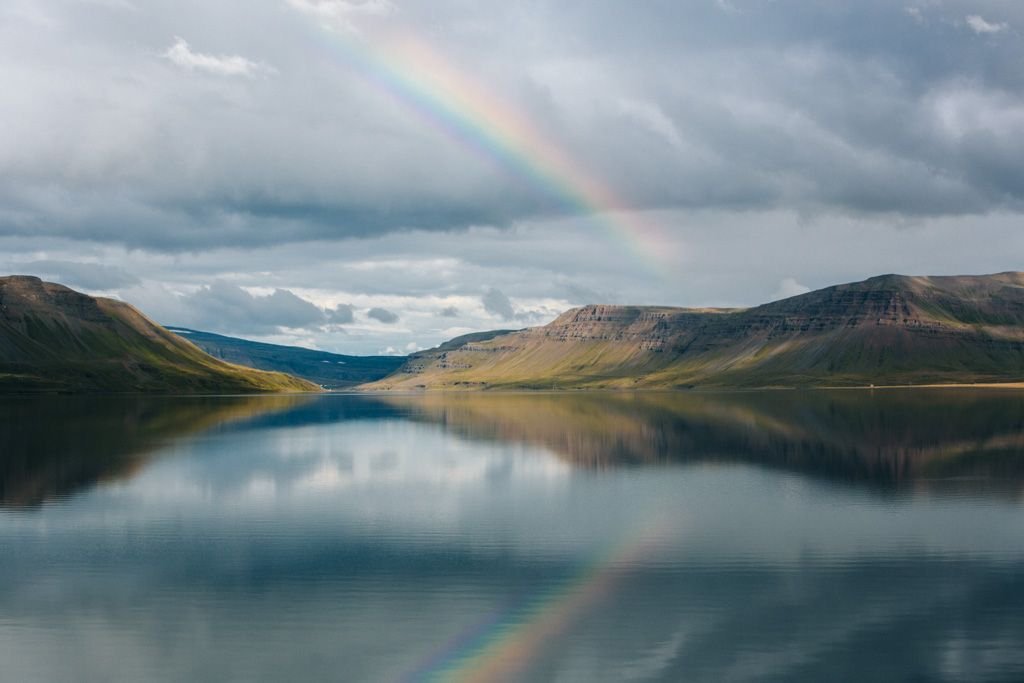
{"type": "Point", "coordinates": [888, 329]}
{"type": "Point", "coordinates": [56, 339]}
{"type": "Point", "coordinates": [23, 296]}
{"type": "Point", "coordinates": [655, 329]}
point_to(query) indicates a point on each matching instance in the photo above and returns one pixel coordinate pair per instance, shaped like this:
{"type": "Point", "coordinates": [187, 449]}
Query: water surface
{"type": "Point", "coordinates": [529, 537]}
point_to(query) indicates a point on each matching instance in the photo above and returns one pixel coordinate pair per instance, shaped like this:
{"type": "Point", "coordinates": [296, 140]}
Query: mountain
{"type": "Point", "coordinates": [56, 339]}
{"type": "Point", "coordinates": [329, 370]}
{"type": "Point", "coordinates": [891, 329]}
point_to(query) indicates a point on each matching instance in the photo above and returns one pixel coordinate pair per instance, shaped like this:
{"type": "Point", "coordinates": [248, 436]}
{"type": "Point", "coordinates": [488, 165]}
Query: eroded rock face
{"type": "Point", "coordinates": [886, 329]}
{"type": "Point", "coordinates": [604, 322]}
{"type": "Point", "coordinates": [23, 297]}
{"type": "Point", "coordinates": [920, 304]}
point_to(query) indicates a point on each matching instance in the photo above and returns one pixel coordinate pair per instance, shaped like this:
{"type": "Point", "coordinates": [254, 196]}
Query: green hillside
{"type": "Point", "coordinates": [329, 370]}
{"type": "Point", "coordinates": [53, 339]}
{"type": "Point", "coordinates": [890, 329]}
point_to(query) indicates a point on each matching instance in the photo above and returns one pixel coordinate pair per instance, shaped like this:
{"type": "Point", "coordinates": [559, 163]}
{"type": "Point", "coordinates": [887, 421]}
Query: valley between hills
{"type": "Point", "coordinates": [890, 330]}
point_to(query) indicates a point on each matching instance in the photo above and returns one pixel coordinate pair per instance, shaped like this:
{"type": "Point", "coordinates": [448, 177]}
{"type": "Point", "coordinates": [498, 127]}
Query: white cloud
{"type": "Point", "coordinates": [342, 13]}
{"type": "Point", "coordinates": [112, 4]}
{"type": "Point", "coordinates": [979, 25]}
{"type": "Point", "coordinates": [222, 65]}
{"type": "Point", "coordinates": [789, 287]}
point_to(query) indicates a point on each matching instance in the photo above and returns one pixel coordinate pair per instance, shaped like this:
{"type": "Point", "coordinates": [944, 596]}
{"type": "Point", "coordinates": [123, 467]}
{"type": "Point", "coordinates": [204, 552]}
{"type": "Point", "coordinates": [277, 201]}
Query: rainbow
{"type": "Point", "coordinates": [504, 642]}
{"type": "Point", "coordinates": [420, 79]}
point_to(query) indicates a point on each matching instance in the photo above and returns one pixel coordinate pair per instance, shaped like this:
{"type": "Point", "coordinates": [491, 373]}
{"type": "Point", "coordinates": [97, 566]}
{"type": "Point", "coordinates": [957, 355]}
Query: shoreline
{"type": "Point", "coordinates": [709, 389]}
{"type": "Point", "coordinates": [977, 385]}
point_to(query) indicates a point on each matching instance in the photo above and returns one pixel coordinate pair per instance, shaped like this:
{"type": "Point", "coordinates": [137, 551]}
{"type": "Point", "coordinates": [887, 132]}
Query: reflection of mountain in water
{"type": "Point", "coordinates": [890, 438]}
{"type": "Point", "coordinates": [52, 446]}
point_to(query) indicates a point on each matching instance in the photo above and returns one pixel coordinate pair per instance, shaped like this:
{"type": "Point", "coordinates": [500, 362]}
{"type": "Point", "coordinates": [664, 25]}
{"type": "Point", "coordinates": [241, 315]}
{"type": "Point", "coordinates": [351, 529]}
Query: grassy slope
{"type": "Point", "coordinates": [54, 339]}
{"type": "Point", "coordinates": [330, 370]}
{"type": "Point", "coordinates": [886, 330]}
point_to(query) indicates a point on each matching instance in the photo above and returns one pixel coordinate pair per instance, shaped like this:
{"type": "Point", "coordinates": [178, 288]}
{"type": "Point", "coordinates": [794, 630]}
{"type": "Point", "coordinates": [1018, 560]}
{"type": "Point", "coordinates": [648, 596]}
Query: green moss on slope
{"type": "Point", "coordinates": [55, 339]}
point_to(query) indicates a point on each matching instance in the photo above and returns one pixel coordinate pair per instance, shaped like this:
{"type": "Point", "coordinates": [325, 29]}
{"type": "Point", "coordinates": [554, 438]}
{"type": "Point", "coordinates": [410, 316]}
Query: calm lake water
{"type": "Point", "coordinates": [819, 536]}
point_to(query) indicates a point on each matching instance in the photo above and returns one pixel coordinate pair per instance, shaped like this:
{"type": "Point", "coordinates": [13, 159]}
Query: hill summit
{"type": "Point", "coordinates": [891, 329]}
{"type": "Point", "coordinates": [53, 338]}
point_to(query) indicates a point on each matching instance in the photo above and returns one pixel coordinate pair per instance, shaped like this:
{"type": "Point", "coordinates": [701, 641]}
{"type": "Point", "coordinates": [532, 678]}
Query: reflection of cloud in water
{"type": "Point", "coordinates": [952, 620]}
{"type": "Point", "coordinates": [964, 657]}
{"type": "Point", "coordinates": [376, 539]}
{"type": "Point", "coordinates": [653, 663]}
{"type": "Point", "coordinates": [345, 455]}
{"type": "Point", "coordinates": [383, 476]}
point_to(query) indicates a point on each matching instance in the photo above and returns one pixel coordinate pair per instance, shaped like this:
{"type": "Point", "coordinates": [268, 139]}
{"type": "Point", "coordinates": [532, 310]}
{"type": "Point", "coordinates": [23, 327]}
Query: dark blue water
{"type": "Point", "coordinates": [845, 536]}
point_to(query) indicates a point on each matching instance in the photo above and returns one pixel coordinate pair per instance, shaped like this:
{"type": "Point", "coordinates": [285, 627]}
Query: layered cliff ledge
{"type": "Point", "coordinates": [890, 329]}
{"type": "Point", "coordinates": [56, 339]}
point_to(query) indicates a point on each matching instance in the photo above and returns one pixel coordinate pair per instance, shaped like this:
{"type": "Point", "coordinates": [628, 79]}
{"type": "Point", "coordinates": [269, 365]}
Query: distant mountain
{"type": "Point", "coordinates": [424, 360]}
{"type": "Point", "coordinates": [56, 339]}
{"type": "Point", "coordinates": [329, 370]}
{"type": "Point", "coordinates": [891, 329]}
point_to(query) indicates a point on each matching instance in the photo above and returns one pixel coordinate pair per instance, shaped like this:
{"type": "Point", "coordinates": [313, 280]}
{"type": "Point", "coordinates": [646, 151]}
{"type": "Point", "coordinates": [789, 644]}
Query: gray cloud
{"type": "Point", "coordinates": [382, 315]}
{"type": "Point", "coordinates": [714, 258]}
{"type": "Point", "coordinates": [755, 140]}
{"type": "Point", "coordinates": [860, 107]}
{"type": "Point", "coordinates": [342, 314]}
{"type": "Point", "coordinates": [94, 276]}
{"type": "Point", "coordinates": [576, 293]}
{"type": "Point", "coordinates": [496, 303]}
{"type": "Point", "coordinates": [224, 307]}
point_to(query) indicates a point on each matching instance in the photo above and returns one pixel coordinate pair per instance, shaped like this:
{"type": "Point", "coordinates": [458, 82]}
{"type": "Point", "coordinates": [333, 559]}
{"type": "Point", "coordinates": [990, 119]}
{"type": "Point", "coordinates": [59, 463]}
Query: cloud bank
{"type": "Point", "coordinates": [166, 152]}
{"type": "Point", "coordinates": [816, 108]}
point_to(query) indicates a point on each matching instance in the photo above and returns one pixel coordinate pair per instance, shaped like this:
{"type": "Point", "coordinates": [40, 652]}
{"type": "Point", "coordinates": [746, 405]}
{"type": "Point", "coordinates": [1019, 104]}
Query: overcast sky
{"type": "Point", "coordinates": [322, 172]}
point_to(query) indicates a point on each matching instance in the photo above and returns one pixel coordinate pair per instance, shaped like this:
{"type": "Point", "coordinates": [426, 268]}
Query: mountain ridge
{"type": "Point", "coordinates": [888, 329]}
{"type": "Point", "coordinates": [55, 339]}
